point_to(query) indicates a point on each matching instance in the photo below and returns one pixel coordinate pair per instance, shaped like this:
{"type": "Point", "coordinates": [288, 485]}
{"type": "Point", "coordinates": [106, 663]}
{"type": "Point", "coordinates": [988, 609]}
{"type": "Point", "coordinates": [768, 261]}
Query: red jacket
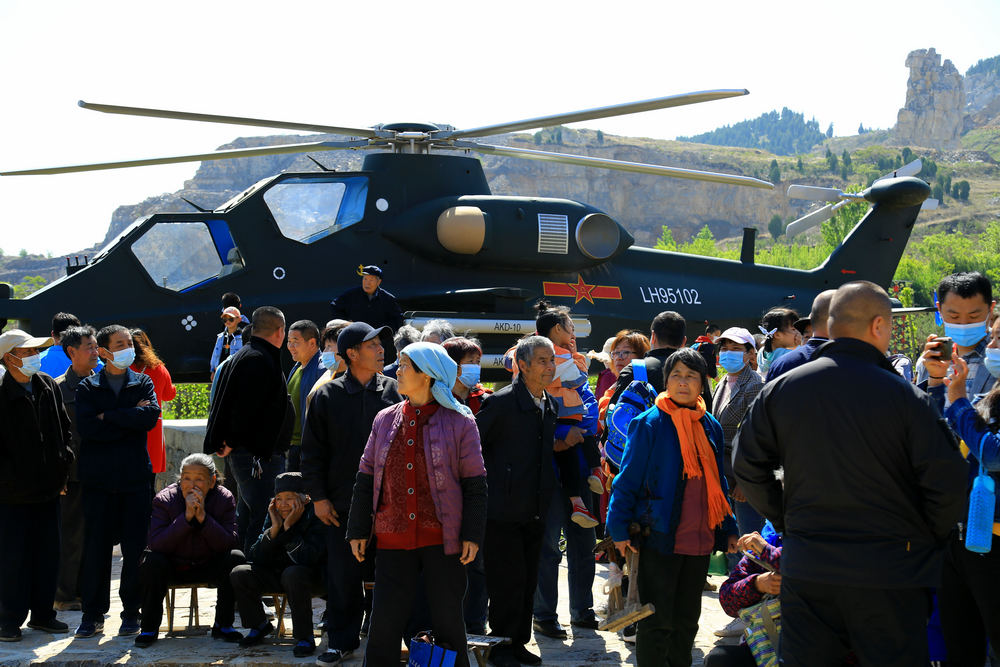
{"type": "Point", "coordinates": [165, 391]}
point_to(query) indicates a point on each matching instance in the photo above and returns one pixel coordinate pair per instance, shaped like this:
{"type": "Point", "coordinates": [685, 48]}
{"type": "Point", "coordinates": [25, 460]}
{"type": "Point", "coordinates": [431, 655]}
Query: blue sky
{"type": "Point", "coordinates": [463, 63]}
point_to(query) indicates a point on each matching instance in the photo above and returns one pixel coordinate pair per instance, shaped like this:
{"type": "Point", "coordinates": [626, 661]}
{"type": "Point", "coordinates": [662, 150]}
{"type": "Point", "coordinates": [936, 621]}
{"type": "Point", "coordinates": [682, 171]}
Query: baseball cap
{"type": "Point", "coordinates": [359, 332]}
{"type": "Point", "coordinates": [739, 335]}
{"type": "Point", "coordinates": [370, 270]}
{"type": "Point", "coordinates": [232, 311]}
{"type": "Point", "coordinates": [17, 338]}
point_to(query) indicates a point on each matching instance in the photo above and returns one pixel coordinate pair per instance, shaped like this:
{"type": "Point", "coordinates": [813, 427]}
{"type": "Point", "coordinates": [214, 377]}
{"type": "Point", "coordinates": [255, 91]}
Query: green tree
{"type": "Point", "coordinates": [829, 131]}
{"type": "Point", "coordinates": [840, 225]}
{"type": "Point", "coordinates": [774, 174]}
{"type": "Point", "coordinates": [799, 166]}
{"type": "Point", "coordinates": [844, 172]}
{"type": "Point", "coordinates": [600, 137]}
{"type": "Point", "coordinates": [832, 162]}
{"type": "Point", "coordinates": [28, 285]}
{"type": "Point", "coordinates": [846, 159]}
{"type": "Point", "coordinates": [23, 253]}
{"type": "Point", "coordinates": [861, 128]}
{"type": "Point", "coordinates": [776, 226]}
{"type": "Point", "coordinates": [907, 155]}
{"type": "Point", "coordinates": [538, 138]}
{"type": "Point", "coordinates": [703, 243]}
{"type": "Point", "coordinates": [937, 192]}
{"type": "Point", "coordinates": [666, 240]}
{"type": "Point", "coordinates": [963, 190]}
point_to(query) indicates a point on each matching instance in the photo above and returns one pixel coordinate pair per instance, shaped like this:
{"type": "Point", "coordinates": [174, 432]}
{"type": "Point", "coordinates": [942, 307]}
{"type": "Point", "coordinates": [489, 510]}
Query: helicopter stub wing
{"type": "Point", "coordinates": [231, 120]}
{"type": "Point", "coordinates": [216, 155]}
{"type": "Point", "coordinates": [592, 114]}
{"type": "Point", "coordinates": [619, 165]}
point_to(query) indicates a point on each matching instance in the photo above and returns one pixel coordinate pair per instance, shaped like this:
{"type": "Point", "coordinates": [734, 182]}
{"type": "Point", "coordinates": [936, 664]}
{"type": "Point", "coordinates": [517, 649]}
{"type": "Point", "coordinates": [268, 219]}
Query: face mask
{"type": "Point", "coordinates": [328, 360]}
{"type": "Point", "coordinates": [966, 335]}
{"type": "Point", "coordinates": [123, 358]}
{"type": "Point", "coordinates": [31, 365]}
{"type": "Point", "coordinates": [992, 361]}
{"type": "Point", "coordinates": [469, 375]}
{"type": "Point", "coordinates": [732, 361]}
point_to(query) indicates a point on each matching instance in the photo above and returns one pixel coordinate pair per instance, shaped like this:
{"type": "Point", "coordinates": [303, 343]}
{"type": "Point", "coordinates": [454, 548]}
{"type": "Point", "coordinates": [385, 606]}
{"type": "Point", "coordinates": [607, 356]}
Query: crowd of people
{"type": "Point", "coordinates": [381, 475]}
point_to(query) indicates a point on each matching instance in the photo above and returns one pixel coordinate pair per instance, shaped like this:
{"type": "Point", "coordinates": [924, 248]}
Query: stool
{"type": "Point", "coordinates": [192, 623]}
{"type": "Point", "coordinates": [482, 645]}
{"type": "Point", "coordinates": [280, 601]}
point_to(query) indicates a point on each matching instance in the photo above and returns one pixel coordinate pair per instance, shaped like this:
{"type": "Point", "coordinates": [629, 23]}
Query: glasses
{"type": "Point", "coordinates": [622, 354]}
{"type": "Point", "coordinates": [227, 320]}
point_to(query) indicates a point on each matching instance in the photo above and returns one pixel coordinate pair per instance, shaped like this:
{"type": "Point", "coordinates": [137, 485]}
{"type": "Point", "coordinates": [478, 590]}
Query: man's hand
{"type": "Point", "coordinates": [224, 451]}
{"type": "Point", "coordinates": [275, 519]}
{"type": "Point", "coordinates": [931, 356]}
{"type": "Point", "coordinates": [623, 545]}
{"type": "Point", "coordinates": [737, 494]}
{"type": "Point", "coordinates": [575, 436]}
{"type": "Point", "coordinates": [956, 383]}
{"type": "Point", "coordinates": [358, 549]}
{"type": "Point", "coordinates": [142, 404]}
{"type": "Point", "coordinates": [469, 551]}
{"type": "Point", "coordinates": [752, 542]}
{"type": "Point", "coordinates": [768, 583]}
{"type": "Point", "coordinates": [731, 544]}
{"type": "Point", "coordinates": [325, 512]}
{"type": "Point", "coordinates": [560, 446]}
{"type": "Point", "coordinates": [297, 509]}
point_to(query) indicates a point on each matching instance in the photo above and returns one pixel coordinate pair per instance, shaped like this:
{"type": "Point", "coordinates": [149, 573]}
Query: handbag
{"type": "Point", "coordinates": [763, 621]}
{"type": "Point", "coordinates": [424, 652]}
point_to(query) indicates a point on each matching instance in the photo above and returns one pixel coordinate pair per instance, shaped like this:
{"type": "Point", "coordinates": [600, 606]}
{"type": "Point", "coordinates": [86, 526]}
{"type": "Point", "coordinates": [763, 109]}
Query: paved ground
{"type": "Point", "coordinates": [584, 647]}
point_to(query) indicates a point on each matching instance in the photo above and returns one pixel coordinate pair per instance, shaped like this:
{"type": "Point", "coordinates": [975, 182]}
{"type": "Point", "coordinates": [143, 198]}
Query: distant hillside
{"type": "Point", "coordinates": [787, 133]}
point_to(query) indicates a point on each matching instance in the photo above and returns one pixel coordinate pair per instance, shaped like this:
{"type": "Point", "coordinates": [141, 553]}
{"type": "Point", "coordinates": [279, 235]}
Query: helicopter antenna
{"type": "Point", "coordinates": [198, 208]}
{"type": "Point", "coordinates": [317, 163]}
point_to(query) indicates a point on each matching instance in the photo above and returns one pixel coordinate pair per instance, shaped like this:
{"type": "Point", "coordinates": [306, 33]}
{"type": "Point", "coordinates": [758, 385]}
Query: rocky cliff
{"type": "Point", "coordinates": [935, 101]}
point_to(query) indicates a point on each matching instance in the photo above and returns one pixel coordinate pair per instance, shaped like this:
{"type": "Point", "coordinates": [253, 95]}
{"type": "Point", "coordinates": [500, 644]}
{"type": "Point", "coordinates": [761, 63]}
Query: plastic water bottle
{"type": "Point", "coordinates": [982, 500]}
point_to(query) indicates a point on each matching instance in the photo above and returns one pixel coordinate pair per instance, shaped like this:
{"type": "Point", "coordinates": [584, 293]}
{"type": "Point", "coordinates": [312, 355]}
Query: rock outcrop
{"type": "Point", "coordinates": [935, 103]}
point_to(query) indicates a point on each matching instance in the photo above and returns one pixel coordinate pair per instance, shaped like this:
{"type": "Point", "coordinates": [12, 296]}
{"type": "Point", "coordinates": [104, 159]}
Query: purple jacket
{"type": "Point", "coordinates": [189, 543]}
{"type": "Point", "coordinates": [454, 461]}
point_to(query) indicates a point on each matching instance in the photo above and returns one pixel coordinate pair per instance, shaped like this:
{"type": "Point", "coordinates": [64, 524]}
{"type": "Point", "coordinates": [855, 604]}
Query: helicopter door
{"type": "Point", "coordinates": [182, 256]}
{"type": "Point", "coordinates": [309, 209]}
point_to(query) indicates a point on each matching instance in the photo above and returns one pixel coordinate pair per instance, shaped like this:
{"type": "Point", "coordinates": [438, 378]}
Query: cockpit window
{"type": "Point", "coordinates": [180, 255]}
{"type": "Point", "coordinates": [307, 210]}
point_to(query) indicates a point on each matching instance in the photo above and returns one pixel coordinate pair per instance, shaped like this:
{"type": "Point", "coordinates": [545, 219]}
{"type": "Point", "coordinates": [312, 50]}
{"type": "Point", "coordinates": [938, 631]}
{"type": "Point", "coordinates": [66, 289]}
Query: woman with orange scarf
{"type": "Point", "coordinates": [670, 484]}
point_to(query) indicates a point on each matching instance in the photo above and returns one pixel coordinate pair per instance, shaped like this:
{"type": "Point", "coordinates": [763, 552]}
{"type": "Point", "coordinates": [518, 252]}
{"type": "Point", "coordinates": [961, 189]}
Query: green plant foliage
{"type": "Point", "coordinates": [776, 227]}
{"type": "Point", "coordinates": [29, 285]}
{"type": "Point", "coordinates": [191, 402]}
{"type": "Point", "coordinates": [985, 66]}
{"type": "Point", "coordinates": [786, 133]}
{"type": "Point", "coordinates": [774, 173]}
{"type": "Point", "coordinates": [938, 255]}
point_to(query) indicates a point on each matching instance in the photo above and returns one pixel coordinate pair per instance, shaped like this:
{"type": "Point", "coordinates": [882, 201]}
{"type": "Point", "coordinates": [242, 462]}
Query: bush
{"type": "Point", "coordinates": [191, 402]}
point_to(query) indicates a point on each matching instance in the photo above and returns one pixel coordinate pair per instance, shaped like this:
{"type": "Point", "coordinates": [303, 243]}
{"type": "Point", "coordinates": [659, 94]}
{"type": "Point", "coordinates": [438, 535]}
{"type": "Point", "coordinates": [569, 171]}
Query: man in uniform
{"type": "Point", "coordinates": [369, 303]}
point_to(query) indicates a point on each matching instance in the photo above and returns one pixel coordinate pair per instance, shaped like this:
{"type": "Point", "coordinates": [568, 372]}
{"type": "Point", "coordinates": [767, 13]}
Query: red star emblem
{"type": "Point", "coordinates": [583, 290]}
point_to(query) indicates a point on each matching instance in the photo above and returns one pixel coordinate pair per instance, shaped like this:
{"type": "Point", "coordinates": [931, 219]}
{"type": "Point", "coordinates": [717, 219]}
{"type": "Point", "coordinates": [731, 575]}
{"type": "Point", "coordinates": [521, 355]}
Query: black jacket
{"type": "Point", "coordinates": [380, 310]}
{"type": "Point", "coordinates": [302, 544]}
{"type": "Point", "coordinates": [35, 453]}
{"type": "Point", "coordinates": [67, 383]}
{"type": "Point", "coordinates": [517, 449]}
{"type": "Point", "coordinates": [873, 482]}
{"type": "Point", "coordinates": [113, 453]}
{"type": "Point", "coordinates": [252, 409]}
{"type": "Point", "coordinates": [338, 423]}
{"type": "Point", "coordinates": [654, 374]}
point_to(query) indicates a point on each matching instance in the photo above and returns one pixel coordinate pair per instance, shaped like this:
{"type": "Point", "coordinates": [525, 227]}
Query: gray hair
{"type": "Point", "coordinates": [441, 328]}
{"type": "Point", "coordinates": [526, 347]}
{"type": "Point", "coordinates": [405, 335]}
{"type": "Point", "coordinates": [199, 459]}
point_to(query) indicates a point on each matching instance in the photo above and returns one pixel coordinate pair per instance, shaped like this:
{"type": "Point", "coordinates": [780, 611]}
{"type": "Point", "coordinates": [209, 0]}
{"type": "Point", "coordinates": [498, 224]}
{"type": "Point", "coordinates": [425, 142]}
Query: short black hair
{"type": "Point", "coordinates": [548, 316]}
{"type": "Point", "coordinates": [669, 328]}
{"type": "Point", "coordinates": [966, 285]}
{"type": "Point", "coordinates": [231, 299]}
{"type": "Point", "coordinates": [73, 337]}
{"type": "Point", "coordinates": [266, 320]}
{"type": "Point", "coordinates": [331, 333]}
{"type": "Point", "coordinates": [307, 329]}
{"type": "Point", "coordinates": [690, 358]}
{"type": "Point", "coordinates": [63, 321]}
{"type": "Point", "coordinates": [105, 334]}
{"type": "Point", "coordinates": [709, 328]}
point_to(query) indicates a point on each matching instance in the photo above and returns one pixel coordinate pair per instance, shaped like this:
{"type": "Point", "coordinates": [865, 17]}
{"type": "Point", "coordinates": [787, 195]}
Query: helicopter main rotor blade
{"type": "Point", "coordinates": [231, 120]}
{"type": "Point", "coordinates": [620, 165]}
{"type": "Point", "coordinates": [591, 114]}
{"type": "Point", "coordinates": [201, 157]}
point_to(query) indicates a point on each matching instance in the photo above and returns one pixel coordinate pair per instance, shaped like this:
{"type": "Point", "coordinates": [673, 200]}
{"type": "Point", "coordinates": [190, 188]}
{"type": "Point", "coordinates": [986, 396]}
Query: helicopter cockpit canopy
{"type": "Point", "coordinates": [308, 209]}
{"type": "Point", "coordinates": [182, 255]}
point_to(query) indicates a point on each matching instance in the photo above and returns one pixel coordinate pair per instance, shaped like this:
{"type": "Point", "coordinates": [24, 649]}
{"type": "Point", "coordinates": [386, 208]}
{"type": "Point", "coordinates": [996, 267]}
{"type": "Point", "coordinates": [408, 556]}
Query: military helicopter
{"type": "Point", "coordinates": [449, 248]}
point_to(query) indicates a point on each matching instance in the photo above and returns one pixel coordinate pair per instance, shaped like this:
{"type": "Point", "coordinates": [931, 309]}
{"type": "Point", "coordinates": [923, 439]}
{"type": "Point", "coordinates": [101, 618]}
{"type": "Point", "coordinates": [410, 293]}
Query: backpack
{"type": "Point", "coordinates": [638, 397]}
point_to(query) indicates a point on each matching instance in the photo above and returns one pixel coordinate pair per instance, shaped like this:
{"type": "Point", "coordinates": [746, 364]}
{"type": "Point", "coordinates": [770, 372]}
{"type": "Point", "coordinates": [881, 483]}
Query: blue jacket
{"type": "Point", "coordinates": [234, 347]}
{"type": "Point", "coordinates": [800, 355]}
{"type": "Point", "coordinates": [310, 374]}
{"type": "Point", "coordinates": [113, 452]}
{"type": "Point", "coordinates": [650, 486]}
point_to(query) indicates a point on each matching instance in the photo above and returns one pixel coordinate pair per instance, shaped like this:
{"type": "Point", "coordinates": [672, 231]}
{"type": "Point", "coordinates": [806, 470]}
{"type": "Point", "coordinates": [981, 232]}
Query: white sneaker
{"type": "Point", "coordinates": [734, 628]}
{"type": "Point", "coordinates": [628, 634]}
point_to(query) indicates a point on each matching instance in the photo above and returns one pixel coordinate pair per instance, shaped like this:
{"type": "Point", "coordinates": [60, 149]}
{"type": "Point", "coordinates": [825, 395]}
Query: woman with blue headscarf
{"type": "Point", "coordinates": [421, 489]}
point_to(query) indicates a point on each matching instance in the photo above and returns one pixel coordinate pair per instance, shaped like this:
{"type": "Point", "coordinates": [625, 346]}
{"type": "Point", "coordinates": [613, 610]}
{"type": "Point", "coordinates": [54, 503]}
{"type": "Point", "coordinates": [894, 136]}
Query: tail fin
{"type": "Point", "coordinates": [872, 249]}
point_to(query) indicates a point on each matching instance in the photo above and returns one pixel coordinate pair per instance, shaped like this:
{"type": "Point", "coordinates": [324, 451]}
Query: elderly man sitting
{"type": "Point", "coordinates": [192, 538]}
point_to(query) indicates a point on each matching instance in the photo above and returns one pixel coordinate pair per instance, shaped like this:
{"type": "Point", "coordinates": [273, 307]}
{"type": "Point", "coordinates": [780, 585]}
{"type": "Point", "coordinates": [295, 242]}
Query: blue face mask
{"type": "Point", "coordinates": [731, 361]}
{"type": "Point", "coordinates": [469, 375]}
{"type": "Point", "coordinates": [123, 358]}
{"type": "Point", "coordinates": [329, 360]}
{"type": "Point", "coordinates": [966, 335]}
{"type": "Point", "coordinates": [992, 361]}
{"type": "Point", "coordinates": [31, 365]}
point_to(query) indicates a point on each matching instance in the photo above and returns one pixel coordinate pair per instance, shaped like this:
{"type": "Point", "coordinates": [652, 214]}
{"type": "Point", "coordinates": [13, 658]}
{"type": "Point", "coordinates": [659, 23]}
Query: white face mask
{"type": "Point", "coordinates": [123, 358]}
